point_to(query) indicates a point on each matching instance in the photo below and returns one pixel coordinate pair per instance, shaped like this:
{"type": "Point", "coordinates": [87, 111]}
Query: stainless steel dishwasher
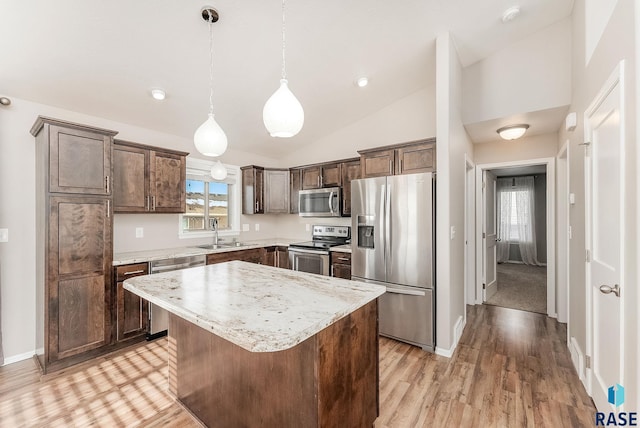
{"type": "Point", "coordinates": [158, 317]}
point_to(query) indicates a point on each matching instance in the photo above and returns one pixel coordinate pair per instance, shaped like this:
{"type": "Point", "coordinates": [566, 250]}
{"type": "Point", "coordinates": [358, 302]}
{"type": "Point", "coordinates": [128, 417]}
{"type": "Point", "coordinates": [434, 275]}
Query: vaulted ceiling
{"type": "Point", "coordinates": [102, 57]}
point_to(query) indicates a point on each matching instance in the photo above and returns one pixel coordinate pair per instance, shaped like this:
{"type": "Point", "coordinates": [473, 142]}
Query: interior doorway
{"type": "Point", "coordinates": [516, 239]}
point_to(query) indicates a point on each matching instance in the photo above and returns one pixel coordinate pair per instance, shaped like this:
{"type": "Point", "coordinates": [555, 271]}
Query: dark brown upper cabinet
{"type": "Point", "coordinates": [350, 170]}
{"type": "Point", "coordinates": [79, 158]}
{"type": "Point", "coordinates": [406, 158]}
{"type": "Point", "coordinates": [323, 175]}
{"type": "Point", "coordinates": [148, 179]}
{"type": "Point", "coordinates": [252, 189]}
{"type": "Point", "coordinates": [295, 185]}
{"type": "Point", "coordinates": [265, 190]}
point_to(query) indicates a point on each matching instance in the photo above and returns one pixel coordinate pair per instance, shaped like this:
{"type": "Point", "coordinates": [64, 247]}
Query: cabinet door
{"type": "Point", "coordinates": [377, 164]}
{"type": "Point", "coordinates": [270, 256]}
{"type": "Point", "coordinates": [418, 158]}
{"type": "Point", "coordinates": [282, 257]}
{"type": "Point", "coordinates": [255, 255]}
{"type": "Point", "coordinates": [276, 191]}
{"type": "Point", "coordinates": [252, 190]}
{"type": "Point", "coordinates": [311, 178]}
{"type": "Point", "coordinates": [132, 311]}
{"type": "Point", "coordinates": [79, 161]}
{"type": "Point", "coordinates": [130, 179]}
{"type": "Point", "coordinates": [341, 271]}
{"type": "Point", "coordinates": [296, 185]}
{"type": "Point", "coordinates": [350, 171]}
{"type": "Point", "coordinates": [167, 183]}
{"type": "Point", "coordinates": [79, 275]}
{"type": "Point", "coordinates": [331, 176]}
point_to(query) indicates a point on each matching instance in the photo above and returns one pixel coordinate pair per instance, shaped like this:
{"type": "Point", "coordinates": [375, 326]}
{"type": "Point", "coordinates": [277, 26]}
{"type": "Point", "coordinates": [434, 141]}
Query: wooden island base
{"type": "Point", "coordinates": [329, 380]}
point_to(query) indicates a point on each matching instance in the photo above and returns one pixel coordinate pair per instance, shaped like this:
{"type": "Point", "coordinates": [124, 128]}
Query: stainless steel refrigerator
{"type": "Point", "coordinates": [393, 245]}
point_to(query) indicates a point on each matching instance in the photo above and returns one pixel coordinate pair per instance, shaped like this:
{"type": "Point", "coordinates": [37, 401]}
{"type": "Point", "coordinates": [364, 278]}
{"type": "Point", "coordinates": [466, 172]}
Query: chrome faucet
{"type": "Point", "coordinates": [215, 230]}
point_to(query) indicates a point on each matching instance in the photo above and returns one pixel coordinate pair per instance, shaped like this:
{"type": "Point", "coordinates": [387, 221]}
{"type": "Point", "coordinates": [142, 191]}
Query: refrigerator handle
{"type": "Point", "coordinates": [407, 292]}
{"type": "Point", "coordinates": [387, 230]}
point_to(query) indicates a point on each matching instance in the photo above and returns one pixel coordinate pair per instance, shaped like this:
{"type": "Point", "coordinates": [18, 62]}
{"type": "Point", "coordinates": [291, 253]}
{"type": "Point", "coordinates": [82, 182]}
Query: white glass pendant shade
{"type": "Point", "coordinates": [218, 171]}
{"type": "Point", "coordinates": [283, 115]}
{"type": "Point", "coordinates": [209, 138]}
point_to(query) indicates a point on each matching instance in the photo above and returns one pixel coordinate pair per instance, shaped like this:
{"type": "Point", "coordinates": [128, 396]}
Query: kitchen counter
{"type": "Point", "coordinates": [169, 253]}
{"type": "Point", "coordinates": [259, 308]}
{"type": "Point", "coordinates": [256, 345]}
{"type": "Point", "coordinates": [346, 248]}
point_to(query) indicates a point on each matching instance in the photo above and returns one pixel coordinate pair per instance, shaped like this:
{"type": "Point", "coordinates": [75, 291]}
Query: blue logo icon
{"type": "Point", "coordinates": [616, 395]}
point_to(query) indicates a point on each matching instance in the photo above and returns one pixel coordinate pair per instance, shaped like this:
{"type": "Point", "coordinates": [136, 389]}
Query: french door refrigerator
{"type": "Point", "coordinates": [393, 245]}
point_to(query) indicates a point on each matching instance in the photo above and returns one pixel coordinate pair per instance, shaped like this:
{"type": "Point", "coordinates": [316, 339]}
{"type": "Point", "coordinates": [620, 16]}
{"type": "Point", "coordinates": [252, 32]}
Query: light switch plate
{"type": "Point", "coordinates": [245, 227]}
{"type": "Point", "coordinates": [307, 227]}
{"type": "Point", "coordinates": [572, 198]}
{"type": "Point", "coordinates": [139, 232]}
{"type": "Point", "coordinates": [453, 232]}
{"type": "Point", "coordinates": [4, 235]}
{"type": "Point", "coordinates": [256, 227]}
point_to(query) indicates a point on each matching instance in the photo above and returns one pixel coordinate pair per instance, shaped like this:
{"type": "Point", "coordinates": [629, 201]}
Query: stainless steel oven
{"type": "Point", "coordinates": [312, 261]}
{"type": "Point", "coordinates": [313, 256]}
{"type": "Point", "coordinates": [320, 202]}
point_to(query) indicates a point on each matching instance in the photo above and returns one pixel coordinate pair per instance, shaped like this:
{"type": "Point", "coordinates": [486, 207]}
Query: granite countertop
{"type": "Point", "coordinates": [259, 308]}
{"type": "Point", "coordinates": [346, 248]}
{"type": "Point", "coordinates": [169, 253]}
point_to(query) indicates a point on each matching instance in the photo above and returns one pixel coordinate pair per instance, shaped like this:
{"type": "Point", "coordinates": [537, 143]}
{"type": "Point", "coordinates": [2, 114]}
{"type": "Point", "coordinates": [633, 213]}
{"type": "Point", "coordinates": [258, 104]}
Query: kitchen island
{"type": "Point", "coordinates": [252, 345]}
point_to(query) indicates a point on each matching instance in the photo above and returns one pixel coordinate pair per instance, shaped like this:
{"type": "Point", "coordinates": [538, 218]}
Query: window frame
{"type": "Point", "coordinates": [200, 169]}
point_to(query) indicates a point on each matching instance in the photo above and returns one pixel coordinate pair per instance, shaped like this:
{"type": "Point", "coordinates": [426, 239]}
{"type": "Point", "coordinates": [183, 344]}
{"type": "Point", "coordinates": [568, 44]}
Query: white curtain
{"type": "Point", "coordinates": [516, 218]}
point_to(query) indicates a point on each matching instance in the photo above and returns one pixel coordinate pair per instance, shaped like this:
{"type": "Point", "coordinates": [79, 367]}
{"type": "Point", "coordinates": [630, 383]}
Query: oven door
{"type": "Point", "coordinates": [310, 261]}
{"type": "Point", "coordinates": [320, 202]}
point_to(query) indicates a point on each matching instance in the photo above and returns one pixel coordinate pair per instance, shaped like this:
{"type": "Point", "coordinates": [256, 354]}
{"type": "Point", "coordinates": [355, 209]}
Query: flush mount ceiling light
{"type": "Point", "coordinates": [362, 82]}
{"type": "Point", "coordinates": [209, 138]}
{"type": "Point", "coordinates": [158, 94]}
{"type": "Point", "coordinates": [283, 115]}
{"type": "Point", "coordinates": [510, 14]}
{"type": "Point", "coordinates": [218, 171]}
{"type": "Point", "coordinates": [512, 132]}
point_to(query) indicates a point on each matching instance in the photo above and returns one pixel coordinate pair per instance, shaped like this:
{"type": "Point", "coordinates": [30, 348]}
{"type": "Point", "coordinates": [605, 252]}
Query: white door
{"type": "Point", "coordinates": [604, 124]}
{"type": "Point", "coordinates": [489, 234]}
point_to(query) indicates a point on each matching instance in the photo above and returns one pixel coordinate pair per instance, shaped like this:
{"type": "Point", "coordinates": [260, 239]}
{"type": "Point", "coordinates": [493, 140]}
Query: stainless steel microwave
{"type": "Point", "coordinates": [320, 202]}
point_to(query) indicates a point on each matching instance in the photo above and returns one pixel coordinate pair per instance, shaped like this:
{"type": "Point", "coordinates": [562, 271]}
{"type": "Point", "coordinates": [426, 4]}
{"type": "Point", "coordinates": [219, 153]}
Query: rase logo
{"type": "Point", "coordinates": [615, 396]}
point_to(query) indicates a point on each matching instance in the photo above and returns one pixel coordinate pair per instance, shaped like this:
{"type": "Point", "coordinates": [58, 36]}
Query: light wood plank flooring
{"type": "Point", "coordinates": [511, 369]}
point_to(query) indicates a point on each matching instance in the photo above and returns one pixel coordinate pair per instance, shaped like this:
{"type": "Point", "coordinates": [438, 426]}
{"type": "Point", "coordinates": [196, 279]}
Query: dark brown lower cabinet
{"type": "Point", "coordinates": [132, 312]}
{"type": "Point", "coordinates": [341, 265]}
{"type": "Point", "coordinates": [253, 255]}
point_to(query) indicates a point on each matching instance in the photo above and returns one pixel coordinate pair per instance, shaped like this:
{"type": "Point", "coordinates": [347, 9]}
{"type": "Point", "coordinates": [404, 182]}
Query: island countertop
{"type": "Point", "coordinates": [259, 308]}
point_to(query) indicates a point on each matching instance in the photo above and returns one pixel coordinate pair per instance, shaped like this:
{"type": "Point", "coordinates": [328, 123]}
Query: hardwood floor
{"type": "Point", "coordinates": [511, 369]}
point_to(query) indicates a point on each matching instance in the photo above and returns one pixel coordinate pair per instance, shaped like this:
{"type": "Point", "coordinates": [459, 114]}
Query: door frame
{"type": "Point", "coordinates": [564, 236]}
{"type": "Point", "coordinates": [469, 234]}
{"type": "Point", "coordinates": [550, 164]}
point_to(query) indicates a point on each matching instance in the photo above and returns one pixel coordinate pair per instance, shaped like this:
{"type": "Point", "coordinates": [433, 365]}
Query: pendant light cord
{"type": "Point", "coordinates": [210, 62]}
{"type": "Point", "coordinates": [284, 71]}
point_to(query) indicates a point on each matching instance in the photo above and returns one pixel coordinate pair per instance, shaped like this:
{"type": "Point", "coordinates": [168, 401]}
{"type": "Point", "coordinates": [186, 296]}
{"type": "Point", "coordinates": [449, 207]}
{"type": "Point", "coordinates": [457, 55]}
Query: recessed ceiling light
{"type": "Point", "coordinates": [510, 14]}
{"type": "Point", "coordinates": [158, 94]}
{"type": "Point", "coordinates": [362, 82]}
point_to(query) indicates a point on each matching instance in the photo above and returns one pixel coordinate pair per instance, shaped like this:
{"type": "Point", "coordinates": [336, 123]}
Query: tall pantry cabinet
{"type": "Point", "coordinates": [74, 228]}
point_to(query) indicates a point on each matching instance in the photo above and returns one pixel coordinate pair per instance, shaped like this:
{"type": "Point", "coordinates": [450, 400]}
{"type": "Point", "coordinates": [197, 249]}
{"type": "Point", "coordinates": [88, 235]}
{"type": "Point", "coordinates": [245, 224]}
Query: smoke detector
{"type": "Point", "coordinates": [510, 14]}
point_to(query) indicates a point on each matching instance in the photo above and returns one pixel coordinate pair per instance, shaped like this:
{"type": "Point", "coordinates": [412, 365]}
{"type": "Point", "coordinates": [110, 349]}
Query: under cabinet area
{"type": "Point", "coordinates": [253, 255]}
{"type": "Point", "coordinates": [132, 312]}
{"type": "Point", "coordinates": [341, 264]}
{"type": "Point", "coordinates": [148, 179]}
{"type": "Point", "coordinates": [406, 158]}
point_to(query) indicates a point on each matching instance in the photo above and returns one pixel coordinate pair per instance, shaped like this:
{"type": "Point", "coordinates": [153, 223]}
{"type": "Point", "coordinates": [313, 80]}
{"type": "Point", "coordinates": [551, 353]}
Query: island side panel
{"type": "Point", "coordinates": [348, 370]}
{"type": "Point", "coordinates": [225, 385]}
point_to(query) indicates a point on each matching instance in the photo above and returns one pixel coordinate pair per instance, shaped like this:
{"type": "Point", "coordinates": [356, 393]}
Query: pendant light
{"type": "Point", "coordinates": [218, 171]}
{"type": "Point", "coordinates": [209, 138]}
{"type": "Point", "coordinates": [283, 115]}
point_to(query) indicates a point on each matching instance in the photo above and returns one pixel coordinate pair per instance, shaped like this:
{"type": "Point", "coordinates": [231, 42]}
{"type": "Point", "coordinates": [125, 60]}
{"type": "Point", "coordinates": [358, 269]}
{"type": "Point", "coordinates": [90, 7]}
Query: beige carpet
{"type": "Point", "coordinates": [521, 287]}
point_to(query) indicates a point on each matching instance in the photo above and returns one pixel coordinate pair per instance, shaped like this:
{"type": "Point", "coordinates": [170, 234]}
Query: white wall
{"type": "Point", "coordinates": [452, 143]}
{"type": "Point", "coordinates": [536, 147]}
{"type": "Point", "coordinates": [529, 75]}
{"type": "Point", "coordinates": [617, 42]}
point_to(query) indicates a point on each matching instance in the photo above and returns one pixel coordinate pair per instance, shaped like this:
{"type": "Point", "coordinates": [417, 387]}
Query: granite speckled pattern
{"type": "Point", "coordinates": [259, 308]}
{"type": "Point", "coordinates": [170, 253]}
{"type": "Point", "coordinates": [346, 248]}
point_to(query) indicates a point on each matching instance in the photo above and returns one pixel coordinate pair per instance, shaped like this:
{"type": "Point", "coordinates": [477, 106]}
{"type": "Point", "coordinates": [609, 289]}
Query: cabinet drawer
{"type": "Point", "coordinates": [129, 271]}
{"type": "Point", "coordinates": [340, 258]}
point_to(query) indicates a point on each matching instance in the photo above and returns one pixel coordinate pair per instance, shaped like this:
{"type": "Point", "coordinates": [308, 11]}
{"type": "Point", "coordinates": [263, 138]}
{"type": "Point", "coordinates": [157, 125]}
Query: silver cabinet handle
{"type": "Point", "coordinates": [108, 208]}
{"type": "Point", "coordinates": [605, 289]}
{"type": "Point", "coordinates": [321, 180]}
{"type": "Point", "coordinates": [133, 272]}
{"type": "Point", "coordinates": [107, 184]}
{"type": "Point", "coordinates": [257, 206]}
{"type": "Point", "coordinates": [318, 181]}
{"type": "Point", "coordinates": [390, 166]}
{"type": "Point", "coordinates": [153, 202]}
{"type": "Point", "coordinates": [400, 167]}
{"type": "Point", "coordinates": [148, 204]}
{"type": "Point", "coordinates": [344, 259]}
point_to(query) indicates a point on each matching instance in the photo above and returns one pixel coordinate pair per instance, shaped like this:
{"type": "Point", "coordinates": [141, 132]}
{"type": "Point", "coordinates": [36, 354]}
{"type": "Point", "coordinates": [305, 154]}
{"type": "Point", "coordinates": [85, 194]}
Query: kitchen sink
{"type": "Point", "coordinates": [221, 245]}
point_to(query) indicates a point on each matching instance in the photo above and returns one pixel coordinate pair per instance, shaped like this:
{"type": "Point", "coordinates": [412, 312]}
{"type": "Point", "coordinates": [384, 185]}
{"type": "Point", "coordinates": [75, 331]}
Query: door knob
{"type": "Point", "coordinates": [605, 289]}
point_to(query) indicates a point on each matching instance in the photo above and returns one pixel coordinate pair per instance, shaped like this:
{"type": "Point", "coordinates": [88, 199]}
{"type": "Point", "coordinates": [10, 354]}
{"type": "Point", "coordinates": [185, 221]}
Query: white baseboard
{"type": "Point", "coordinates": [577, 358]}
{"type": "Point", "coordinates": [458, 328]}
{"type": "Point", "coordinates": [20, 357]}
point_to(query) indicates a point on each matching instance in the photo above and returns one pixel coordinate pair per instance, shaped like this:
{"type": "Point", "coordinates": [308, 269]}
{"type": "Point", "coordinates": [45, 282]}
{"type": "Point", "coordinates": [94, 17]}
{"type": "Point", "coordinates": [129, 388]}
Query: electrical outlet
{"type": "Point", "coordinates": [245, 227]}
{"type": "Point", "coordinates": [256, 227]}
{"type": "Point", "coordinates": [139, 232]}
{"type": "Point", "coordinates": [4, 235]}
{"type": "Point", "coordinates": [570, 233]}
